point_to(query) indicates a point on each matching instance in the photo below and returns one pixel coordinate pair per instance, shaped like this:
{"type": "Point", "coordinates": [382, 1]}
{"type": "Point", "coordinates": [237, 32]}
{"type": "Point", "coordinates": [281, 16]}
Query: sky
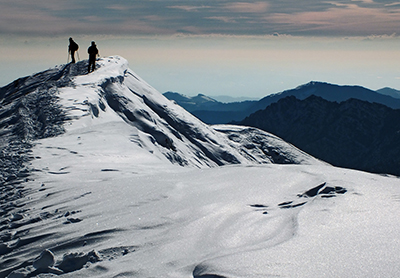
{"type": "Point", "coordinates": [236, 48]}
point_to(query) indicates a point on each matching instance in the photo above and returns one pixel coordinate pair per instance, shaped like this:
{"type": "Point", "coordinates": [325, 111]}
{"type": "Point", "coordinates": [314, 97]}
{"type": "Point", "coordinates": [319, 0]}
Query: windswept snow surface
{"type": "Point", "coordinates": [94, 187]}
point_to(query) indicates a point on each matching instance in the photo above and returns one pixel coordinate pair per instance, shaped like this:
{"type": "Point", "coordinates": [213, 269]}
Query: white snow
{"type": "Point", "coordinates": [45, 260]}
{"type": "Point", "coordinates": [107, 199]}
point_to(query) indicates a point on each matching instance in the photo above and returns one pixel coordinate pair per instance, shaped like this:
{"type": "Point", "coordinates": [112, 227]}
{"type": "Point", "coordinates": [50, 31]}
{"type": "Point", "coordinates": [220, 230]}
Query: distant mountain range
{"type": "Point", "coordinates": [212, 111]}
{"type": "Point", "coordinates": [347, 126]}
{"type": "Point", "coordinates": [229, 99]}
{"type": "Point", "coordinates": [354, 133]}
{"type": "Point", "coordinates": [389, 92]}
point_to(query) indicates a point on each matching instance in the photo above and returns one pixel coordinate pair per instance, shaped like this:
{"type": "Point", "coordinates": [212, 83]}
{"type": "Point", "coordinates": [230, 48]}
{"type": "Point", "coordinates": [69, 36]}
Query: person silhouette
{"type": "Point", "coordinates": [93, 52]}
{"type": "Point", "coordinates": [72, 47]}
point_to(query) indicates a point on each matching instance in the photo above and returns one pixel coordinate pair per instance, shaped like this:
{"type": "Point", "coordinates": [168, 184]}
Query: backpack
{"type": "Point", "coordinates": [73, 46]}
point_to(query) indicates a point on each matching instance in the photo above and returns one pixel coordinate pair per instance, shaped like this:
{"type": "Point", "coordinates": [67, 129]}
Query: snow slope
{"type": "Point", "coordinates": [116, 94]}
{"type": "Point", "coordinates": [93, 187]}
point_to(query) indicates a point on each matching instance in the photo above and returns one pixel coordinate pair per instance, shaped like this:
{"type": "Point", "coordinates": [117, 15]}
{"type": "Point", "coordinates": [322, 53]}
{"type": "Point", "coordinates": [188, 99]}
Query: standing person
{"type": "Point", "coordinates": [73, 46]}
{"type": "Point", "coordinates": [93, 52]}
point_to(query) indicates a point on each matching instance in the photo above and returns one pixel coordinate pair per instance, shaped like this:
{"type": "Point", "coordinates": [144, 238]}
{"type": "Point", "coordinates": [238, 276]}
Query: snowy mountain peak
{"type": "Point", "coordinates": [67, 99]}
{"type": "Point", "coordinates": [88, 190]}
{"type": "Point", "coordinates": [309, 84]}
{"type": "Point", "coordinates": [333, 92]}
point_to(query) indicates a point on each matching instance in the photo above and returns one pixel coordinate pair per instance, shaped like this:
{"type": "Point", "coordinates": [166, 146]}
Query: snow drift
{"type": "Point", "coordinates": [93, 186]}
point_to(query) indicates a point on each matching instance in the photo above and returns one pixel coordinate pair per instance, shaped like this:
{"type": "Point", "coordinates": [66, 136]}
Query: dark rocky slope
{"type": "Point", "coordinates": [353, 134]}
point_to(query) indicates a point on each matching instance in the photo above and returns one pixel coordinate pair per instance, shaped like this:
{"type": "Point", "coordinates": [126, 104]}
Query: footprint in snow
{"type": "Point", "coordinates": [71, 220]}
{"type": "Point", "coordinates": [58, 172]}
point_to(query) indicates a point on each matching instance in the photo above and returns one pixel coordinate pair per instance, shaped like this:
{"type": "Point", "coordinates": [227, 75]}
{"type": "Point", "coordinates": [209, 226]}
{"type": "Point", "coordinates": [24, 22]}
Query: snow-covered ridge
{"type": "Point", "coordinates": [114, 93]}
{"type": "Point", "coordinates": [168, 128]}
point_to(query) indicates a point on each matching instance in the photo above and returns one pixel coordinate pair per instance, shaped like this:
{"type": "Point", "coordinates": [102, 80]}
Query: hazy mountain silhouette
{"type": "Point", "coordinates": [213, 112]}
{"type": "Point", "coordinates": [389, 92]}
{"type": "Point", "coordinates": [210, 110]}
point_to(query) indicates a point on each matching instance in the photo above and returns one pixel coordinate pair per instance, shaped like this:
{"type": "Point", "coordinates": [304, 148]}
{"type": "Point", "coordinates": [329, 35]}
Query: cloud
{"type": "Point", "coordinates": [224, 19]}
{"type": "Point", "coordinates": [392, 4]}
{"type": "Point", "coordinates": [344, 19]}
{"type": "Point", "coordinates": [117, 7]}
{"type": "Point", "coordinates": [165, 17]}
{"type": "Point", "coordinates": [380, 37]}
{"type": "Point", "coordinates": [247, 7]}
{"type": "Point", "coordinates": [364, 1]}
{"type": "Point", "coordinates": [188, 8]}
{"type": "Point", "coordinates": [47, 18]}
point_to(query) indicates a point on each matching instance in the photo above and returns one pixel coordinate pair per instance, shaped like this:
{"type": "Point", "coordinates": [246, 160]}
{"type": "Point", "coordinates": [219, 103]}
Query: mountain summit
{"type": "Point", "coordinates": [65, 98]}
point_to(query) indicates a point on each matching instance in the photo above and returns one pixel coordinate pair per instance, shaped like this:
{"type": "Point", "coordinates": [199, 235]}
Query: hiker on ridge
{"type": "Point", "coordinates": [93, 52]}
{"type": "Point", "coordinates": [73, 46]}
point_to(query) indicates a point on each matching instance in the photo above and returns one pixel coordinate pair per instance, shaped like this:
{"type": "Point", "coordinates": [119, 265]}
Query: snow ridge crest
{"type": "Point", "coordinates": [114, 93]}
